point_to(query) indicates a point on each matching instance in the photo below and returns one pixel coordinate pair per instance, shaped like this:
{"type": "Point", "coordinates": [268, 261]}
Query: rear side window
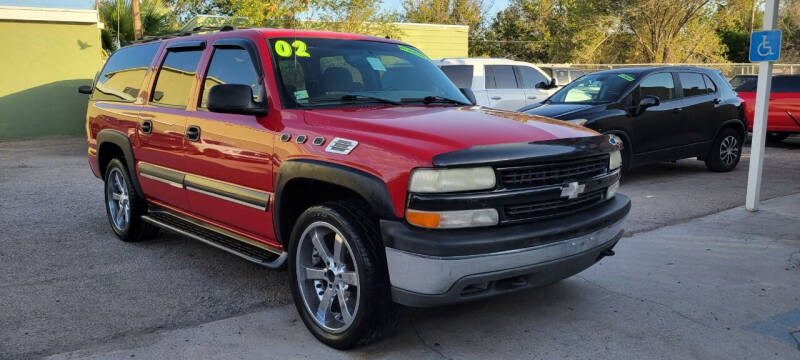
{"type": "Point", "coordinates": [711, 87]}
{"type": "Point", "coordinates": [461, 75]}
{"type": "Point", "coordinates": [530, 77]}
{"type": "Point", "coordinates": [175, 78]}
{"type": "Point", "coordinates": [574, 74]}
{"type": "Point", "coordinates": [562, 76]}
{"type": "Point", "coordinates": [231, 66]}
{"type": "Point", "coordinates": [500, 77]}
{"type": "Point", "coordinates": [122, 77]}
{"type": "Point", "coordinates": [660, 85]}
{"type": "Point", "coordinates": [784, 84]}
{"type": "Point", "coordinates": [692, 84]}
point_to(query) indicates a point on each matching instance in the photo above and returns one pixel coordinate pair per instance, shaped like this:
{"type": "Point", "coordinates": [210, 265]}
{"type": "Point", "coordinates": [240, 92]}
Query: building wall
{"type": "Point", "coordinates": [437, 41]}
{"type": "Point", "coordinates": [47, 54]}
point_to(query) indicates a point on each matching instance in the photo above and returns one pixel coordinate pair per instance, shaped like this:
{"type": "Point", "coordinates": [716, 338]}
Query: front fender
{"type": "Point", "coordinates": [366, 185]}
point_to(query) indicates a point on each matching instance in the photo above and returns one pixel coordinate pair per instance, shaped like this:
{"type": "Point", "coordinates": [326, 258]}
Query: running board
{"type": "Point", "coordinates": [233, 243]}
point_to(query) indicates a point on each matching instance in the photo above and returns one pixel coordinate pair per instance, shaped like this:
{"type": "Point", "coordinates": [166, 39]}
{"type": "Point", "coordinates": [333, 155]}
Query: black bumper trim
{"type": "Point", "coordinates": [457, 242]}
{"type": "Point", "coordinates": [509, 280]}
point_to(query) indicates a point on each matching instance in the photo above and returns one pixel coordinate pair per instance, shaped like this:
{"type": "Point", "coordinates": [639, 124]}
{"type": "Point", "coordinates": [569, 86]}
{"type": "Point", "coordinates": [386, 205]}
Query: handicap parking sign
{"type": "Point", "coordinates": [765, 45]}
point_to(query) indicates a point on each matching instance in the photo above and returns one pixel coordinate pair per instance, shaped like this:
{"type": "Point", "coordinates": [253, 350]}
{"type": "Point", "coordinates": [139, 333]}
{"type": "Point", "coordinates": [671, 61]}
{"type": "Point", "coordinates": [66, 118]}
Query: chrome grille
{"type": "Point", "coordinates": [553, 173]}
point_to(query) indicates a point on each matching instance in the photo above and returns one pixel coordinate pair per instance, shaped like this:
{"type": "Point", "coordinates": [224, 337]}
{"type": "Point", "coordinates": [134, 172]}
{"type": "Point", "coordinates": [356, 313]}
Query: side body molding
{"type": "Point", "coordinates": [122, 141]}
{"type": "Point", "coordinates": [368, 186]}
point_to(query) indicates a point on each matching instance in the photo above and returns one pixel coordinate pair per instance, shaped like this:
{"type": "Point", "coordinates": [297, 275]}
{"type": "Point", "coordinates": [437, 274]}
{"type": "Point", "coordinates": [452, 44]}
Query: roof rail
{"type": "Point", "coordinates": [196, 30]}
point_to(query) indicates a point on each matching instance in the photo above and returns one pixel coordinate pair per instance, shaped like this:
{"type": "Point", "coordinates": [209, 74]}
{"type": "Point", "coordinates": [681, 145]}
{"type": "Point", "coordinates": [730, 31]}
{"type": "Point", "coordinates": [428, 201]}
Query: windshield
{"type": "Point", "coordinates": [336, 72]}
{"type": "Point", "coordinates": [594, 89]}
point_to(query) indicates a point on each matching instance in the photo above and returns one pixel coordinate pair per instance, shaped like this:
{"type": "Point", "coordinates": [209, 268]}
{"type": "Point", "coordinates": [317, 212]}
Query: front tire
{"type": "Point", "coordinates": [337, 270]}
{"type": "Point", "coordinates": [725, 151]}
{"type": "Point", "coordinates": [123, 208]}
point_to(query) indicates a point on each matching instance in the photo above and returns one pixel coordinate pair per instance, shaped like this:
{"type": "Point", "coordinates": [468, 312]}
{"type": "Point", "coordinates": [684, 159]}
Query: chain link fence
{"type": "Point", "coordinates": [729, 69]}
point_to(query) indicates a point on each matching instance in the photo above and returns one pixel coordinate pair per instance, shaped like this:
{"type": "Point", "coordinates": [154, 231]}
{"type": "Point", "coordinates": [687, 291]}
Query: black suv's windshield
{"type": "Point", "coordinates": [594, 89]}
{"type": "Point", "coordinates": [333, 72]}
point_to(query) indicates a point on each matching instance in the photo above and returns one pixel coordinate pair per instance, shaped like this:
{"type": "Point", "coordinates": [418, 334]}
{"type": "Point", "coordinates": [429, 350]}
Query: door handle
{"type": "Point", "coordinates": [532, 97]}
{"type": "Point", "coordinates": [147, 127]}
{"type": "Point", "coordinates": [193, 133]}
{"type": "Point", "coordinates": [496, 98]}
{"type": "Point", "coordinates": [677, 110]}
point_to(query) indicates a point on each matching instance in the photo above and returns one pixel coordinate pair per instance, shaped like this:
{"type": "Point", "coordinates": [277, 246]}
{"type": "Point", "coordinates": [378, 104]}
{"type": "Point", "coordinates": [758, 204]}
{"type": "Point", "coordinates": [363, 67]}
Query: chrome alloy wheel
{"type": "Point", "coordinates": [729, 150]}
{"type": "Point", "coordinates": [327, 277]}
{"type": "Point", "coordinates": [118, 200]}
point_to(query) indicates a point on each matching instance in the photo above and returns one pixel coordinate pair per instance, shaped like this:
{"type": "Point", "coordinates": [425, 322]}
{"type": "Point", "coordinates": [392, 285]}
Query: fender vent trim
{"type": "Point", "coordinates": [341, 146]}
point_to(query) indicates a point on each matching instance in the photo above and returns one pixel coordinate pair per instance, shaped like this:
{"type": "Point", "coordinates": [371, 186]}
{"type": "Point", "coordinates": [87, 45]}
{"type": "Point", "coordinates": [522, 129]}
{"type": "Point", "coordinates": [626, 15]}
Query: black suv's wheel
{"type": "Point", "coordinates": [776, 136]}
{"type": "Point", "coordinates": [725, 152]}
{"type": "Point", "coordinates": [123, 209]}
{"type": "Point", "coordinates": [338, 275]}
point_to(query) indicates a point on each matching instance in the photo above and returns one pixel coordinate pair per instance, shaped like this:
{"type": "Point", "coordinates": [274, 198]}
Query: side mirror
{"type": "Point", "coordinates": [469, 95]}
{"type": "Point", "coordinates": [648, 101]}
{"type": "Point", "coordinates": [234, 99]}
{"type": "Point", "coordinates": [553, 83]}
{"type": "Point", "coordinates": [85, 89]}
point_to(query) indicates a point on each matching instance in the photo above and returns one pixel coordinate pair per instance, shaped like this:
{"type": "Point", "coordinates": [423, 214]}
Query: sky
{"type": "Point", "coordinates": [391, 5]}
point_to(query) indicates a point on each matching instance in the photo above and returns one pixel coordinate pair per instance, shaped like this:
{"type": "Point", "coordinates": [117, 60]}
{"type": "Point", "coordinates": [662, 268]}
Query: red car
{"type": "Point", "coordinates": [784, 105]}
{"type": "Point", "coordinates": [353, 161]}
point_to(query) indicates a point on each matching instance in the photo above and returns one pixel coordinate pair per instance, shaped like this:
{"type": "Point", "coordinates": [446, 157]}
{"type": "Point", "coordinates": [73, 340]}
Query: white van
{"type": "Point", "coordinates": [499, 83]}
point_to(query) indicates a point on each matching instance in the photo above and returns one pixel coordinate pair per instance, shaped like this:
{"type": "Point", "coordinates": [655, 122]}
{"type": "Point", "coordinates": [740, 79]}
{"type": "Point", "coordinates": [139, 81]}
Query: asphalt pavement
{"type": "Point", "coordinates": [682, 285]}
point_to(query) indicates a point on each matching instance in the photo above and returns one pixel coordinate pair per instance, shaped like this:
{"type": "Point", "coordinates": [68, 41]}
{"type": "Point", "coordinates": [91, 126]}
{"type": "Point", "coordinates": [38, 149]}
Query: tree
{"type": "Point", "coordinates": [184, 10]}
{"type": "Point", "coordinates": [674, 31]}
{"type": "Point", "coordinates": [117, 16]}
{"type": "Point", "coordinates": [553, 31]}
{"type": "Point", "coordinates": [452, 12]}
{"type": "Point", "coordinates": [789, 22]}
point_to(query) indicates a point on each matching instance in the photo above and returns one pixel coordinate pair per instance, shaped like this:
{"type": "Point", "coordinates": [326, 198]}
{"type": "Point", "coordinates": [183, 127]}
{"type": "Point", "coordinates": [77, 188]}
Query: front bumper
{"type": "Point", "coordinates": [420, 278]}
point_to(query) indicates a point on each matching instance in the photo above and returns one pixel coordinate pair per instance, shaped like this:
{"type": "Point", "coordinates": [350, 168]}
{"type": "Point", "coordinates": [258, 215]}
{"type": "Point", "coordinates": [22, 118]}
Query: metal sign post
{"type": "Point", "coordinates": [765, 48]}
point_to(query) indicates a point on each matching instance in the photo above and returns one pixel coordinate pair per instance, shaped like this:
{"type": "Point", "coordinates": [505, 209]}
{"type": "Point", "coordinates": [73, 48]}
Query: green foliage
{"type": "Point", "coordinates": [737, 44]}
{"type": "Point", "coordinates": [789, 22]}
{"type": "Point", "coordinates": [117, 17]}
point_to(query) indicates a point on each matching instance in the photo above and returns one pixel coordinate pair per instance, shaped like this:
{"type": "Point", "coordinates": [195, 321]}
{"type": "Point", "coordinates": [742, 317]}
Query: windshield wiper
{"type": "Point", "coordinates": [434, 99]}
{"type": "Point", "coordinates": [353, 98]}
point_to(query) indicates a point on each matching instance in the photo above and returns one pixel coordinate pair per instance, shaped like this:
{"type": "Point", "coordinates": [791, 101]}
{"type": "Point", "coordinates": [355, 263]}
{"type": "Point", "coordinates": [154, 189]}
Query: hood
{"type": "Point", "coordinates": [425, 131]}
{"type": "Point", "coordinates": [559, 111]}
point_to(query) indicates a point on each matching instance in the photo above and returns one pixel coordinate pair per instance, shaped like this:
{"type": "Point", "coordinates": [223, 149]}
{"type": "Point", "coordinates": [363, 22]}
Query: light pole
{"type": "Point", "coordinates": [760, 114]}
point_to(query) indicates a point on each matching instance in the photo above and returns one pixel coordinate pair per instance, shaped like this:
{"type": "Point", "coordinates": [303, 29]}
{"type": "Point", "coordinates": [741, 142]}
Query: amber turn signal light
{"type": "Point", "coordinates": [423, 219]}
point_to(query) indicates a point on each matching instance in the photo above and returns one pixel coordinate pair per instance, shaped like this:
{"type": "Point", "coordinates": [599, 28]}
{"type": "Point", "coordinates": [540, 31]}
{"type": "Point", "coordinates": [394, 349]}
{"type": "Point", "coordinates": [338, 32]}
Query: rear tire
{"type": "Point", "coordinates": [725, 152]}
{"type": "Point", "coordinates": [345, 300]}
{"type": "Point", "coordinates": [776, 136]}
{"type": "Point", "coordinates": [123, 207]}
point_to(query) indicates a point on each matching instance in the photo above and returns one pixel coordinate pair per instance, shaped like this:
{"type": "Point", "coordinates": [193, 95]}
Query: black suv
{"type": "Point", "coordinates": [657, 114]}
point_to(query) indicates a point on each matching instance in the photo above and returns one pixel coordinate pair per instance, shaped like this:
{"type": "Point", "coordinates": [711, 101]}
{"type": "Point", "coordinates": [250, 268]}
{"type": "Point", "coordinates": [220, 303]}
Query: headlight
{"type": "Point", "coordinates": [612, 190]}
{"type": "Point", "coordinates": [578, 122]}
{"type": "Point", "coordinates": [452, 219]}
{"type": "Point", "coordinates": [615, 160]}
{"type": "Point", "coordinates": [448, 180]}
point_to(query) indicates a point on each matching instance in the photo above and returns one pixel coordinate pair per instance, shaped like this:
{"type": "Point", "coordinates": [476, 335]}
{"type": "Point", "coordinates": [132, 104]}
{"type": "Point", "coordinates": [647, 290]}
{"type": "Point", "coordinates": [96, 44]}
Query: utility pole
{"type": "Point", "coordinates": [137, 20]}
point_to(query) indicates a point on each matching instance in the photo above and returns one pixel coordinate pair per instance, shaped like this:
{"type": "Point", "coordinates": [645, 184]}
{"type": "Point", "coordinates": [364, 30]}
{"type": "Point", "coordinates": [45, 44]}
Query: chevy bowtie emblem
{"type": "Point", "coordinates": [572, 190]}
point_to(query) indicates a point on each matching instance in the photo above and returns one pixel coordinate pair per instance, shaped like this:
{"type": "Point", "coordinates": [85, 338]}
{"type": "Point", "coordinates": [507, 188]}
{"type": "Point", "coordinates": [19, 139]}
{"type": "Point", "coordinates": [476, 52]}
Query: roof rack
{"type": "Point", "coordinates": [196, 30]}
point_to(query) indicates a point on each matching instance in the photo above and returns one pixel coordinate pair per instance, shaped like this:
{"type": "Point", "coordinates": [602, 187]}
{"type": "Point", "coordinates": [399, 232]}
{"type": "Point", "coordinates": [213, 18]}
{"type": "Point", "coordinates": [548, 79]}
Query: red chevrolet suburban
{"type": "Point", "coordinates": [783, 117]}
{"type": "Point", "coordinates": [353, 161]}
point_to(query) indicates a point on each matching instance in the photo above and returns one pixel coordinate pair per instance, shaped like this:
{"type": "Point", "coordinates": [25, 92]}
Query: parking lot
{"type": "Point", "coordinates": [683, 284]}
